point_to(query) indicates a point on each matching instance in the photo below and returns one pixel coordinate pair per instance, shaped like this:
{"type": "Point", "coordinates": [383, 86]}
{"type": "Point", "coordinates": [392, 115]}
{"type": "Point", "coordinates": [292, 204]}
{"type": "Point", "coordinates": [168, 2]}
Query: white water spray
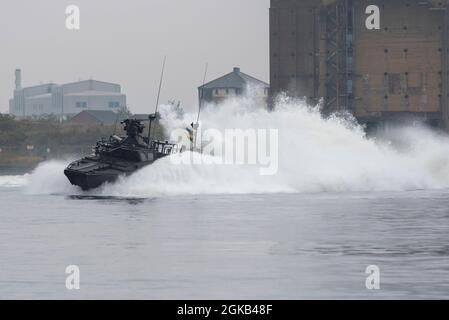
{"type": "Point", "coordinates": [49, 178]}
{"type": "Point", "coordinates": [315, 155]}
{"type": "Point", "coordinates": [13, 181]}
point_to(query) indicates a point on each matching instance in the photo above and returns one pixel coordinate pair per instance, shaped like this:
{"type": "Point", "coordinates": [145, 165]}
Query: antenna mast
{"type": "Point", "coordinates": [196, 125]}
{"type": "Point", "coordinates": [152, 118]}
{"type": "Point", "coordinates": [202, 92]}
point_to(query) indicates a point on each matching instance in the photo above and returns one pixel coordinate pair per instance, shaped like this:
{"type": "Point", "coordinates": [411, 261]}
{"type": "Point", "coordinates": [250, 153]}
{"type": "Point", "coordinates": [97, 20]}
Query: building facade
{"type": "Point", "coordinates": [66, 100]}
{"type": "Point", "coordinates": [97, 117]}
{"type": "Point", "coordinates": [231, 85]}
{"type": "Point", "coordinates": [325, 49]}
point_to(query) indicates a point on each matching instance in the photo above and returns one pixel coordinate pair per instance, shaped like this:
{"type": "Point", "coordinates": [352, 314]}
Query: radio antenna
{"type": "Point", "coordinates": [196, 125]}
{"type": "Point", "coordinates": [201, 100]}
{"type": "Point", "coordinates": [152, 118]}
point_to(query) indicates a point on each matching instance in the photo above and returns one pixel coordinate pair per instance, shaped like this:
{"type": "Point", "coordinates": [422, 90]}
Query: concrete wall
{"type": "Point", "coordinates": [38, 90]}
{"type": "Point", "coordinates": [219, 95]}
{"type": "Point", "coordinates": [94, 102]}
{"type": "Point", "coordinates": [39, 105]}
{"type": "Point", "coordinates": [294, 46]}
{"type": "Point", "coordinates": [400, 69]}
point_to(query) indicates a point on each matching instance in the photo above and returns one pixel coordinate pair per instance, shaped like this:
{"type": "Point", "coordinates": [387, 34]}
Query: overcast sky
{"type": "Point", "coordinates": [124, 41]}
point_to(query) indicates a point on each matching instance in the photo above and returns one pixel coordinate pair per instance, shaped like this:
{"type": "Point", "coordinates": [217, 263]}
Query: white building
{"type": "Point", "coordinates": [64, 100]}
{"type": "Point", "coordinates": [231, 85]}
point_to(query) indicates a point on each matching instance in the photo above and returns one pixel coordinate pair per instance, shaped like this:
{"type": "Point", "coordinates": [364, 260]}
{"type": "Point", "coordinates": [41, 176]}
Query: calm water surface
{"type": "Point", "coordinates": [274, 246]}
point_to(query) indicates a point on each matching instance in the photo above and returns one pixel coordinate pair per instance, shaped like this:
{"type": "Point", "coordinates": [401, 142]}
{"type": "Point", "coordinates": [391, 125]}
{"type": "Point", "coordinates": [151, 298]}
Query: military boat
{"type": "Point", "coordinates": [118, 156]}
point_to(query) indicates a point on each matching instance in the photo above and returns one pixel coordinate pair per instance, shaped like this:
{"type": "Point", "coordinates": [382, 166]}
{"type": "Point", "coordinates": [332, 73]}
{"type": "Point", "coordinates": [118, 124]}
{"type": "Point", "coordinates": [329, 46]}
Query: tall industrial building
{"type": "Point", "coordinates": [328, 49]}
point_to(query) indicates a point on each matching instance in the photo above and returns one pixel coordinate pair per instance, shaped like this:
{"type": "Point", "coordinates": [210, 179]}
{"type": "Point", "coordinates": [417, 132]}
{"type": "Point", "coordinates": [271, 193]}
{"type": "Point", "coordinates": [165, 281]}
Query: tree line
{"type": "Point", "coordinates": [40, 139]}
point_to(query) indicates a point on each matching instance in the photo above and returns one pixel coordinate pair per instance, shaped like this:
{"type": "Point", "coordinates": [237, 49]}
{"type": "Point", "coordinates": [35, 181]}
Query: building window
{"type": "Point", "coordinates": [227, 91]}
{"type": "Point", "coordinates": [114, 104]}
{"type": "Point", "coordinates": [216, 92]}
{"type": "Point", "coordinates": [81, 104]}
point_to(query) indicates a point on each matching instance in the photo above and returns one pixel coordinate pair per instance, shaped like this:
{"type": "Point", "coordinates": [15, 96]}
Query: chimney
{"type": "Point", "coordinates": [18, 79]}
{"type": "Point", "coordinates": [236, 70]}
